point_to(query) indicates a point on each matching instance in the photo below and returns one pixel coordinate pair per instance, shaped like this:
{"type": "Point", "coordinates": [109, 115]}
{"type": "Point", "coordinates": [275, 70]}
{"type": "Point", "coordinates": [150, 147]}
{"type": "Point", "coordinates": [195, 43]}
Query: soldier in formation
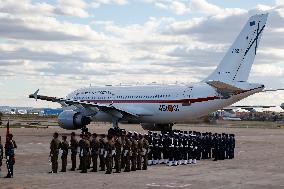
{"type": "Point", "coordinates": [64, 146]}
{"type": "Point", "coordinates": [127, 151]}
{"type": "Point", "coordinates": [182, 148]}
{"type": "Point", "coordinates": [74, 150]}
{"type": "Point", "coordinates": [54, 151]}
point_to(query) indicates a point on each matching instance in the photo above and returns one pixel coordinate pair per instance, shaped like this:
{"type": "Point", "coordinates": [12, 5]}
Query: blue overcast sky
{"type": "Point", "coordinates": [61, 45]}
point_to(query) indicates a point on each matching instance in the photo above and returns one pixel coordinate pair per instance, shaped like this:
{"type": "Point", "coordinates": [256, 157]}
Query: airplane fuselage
{"type": "Point", "coordinates": [161, 103]}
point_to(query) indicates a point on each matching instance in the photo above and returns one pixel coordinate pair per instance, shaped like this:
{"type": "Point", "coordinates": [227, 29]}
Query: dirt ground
{"type": "Point", "coordinates": [258, 164]}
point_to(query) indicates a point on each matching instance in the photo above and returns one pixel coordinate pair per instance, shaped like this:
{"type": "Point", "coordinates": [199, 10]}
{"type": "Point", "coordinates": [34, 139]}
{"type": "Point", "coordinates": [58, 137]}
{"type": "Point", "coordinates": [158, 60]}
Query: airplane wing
{"type": "Point", "coordinates": [248, 108]}
{"type": "Point", "coordinates": [271, 90]}
{"type": "Point", "coordinates": [108, 108]}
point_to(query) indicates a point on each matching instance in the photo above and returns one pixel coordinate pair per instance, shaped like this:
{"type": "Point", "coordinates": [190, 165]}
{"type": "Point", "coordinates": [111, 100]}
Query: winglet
{"type": "Point", "coordinates": [34, 95]}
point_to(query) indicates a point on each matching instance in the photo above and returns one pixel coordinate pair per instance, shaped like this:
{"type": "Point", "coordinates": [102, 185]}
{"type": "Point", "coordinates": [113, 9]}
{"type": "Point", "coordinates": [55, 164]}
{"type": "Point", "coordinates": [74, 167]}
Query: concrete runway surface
{"type": "Point", "coordinates": [258, 163]}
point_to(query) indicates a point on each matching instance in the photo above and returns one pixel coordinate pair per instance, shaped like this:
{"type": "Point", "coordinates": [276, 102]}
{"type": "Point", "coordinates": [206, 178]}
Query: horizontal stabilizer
{"type": "Point", "coordinates": [224, 88]}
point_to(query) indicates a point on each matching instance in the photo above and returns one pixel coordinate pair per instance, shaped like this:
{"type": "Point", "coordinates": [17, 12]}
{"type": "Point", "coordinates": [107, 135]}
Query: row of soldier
{"type": "Point", "coordinates": [120, 150]}
{"type": "Point", "coordinates": [179, 147]}
{"type": "Point", "coordinates": [135, 151]}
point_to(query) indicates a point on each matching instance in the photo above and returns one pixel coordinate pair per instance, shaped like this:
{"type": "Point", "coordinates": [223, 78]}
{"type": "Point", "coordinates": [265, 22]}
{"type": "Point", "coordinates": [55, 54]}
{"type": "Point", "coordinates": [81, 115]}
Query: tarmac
{"type": "Point", "coordinates": [258, 164]}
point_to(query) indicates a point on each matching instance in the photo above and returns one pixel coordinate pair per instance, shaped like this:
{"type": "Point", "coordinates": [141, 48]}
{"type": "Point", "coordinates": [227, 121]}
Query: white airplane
{"type": "Point", "coordinates": [159, 107]}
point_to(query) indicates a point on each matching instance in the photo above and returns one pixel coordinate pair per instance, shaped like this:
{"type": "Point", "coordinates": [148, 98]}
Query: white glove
{"type": "Point", "coordinates": [125, 152]}
{"type": "Point", "coordinates": [143, 153]}
{"type": "Point", "coordinates": [112, 152]}
{"type": "Point", "coordinates": [105, 155]}
{"type": "Point", "coordinates": [102, 151]}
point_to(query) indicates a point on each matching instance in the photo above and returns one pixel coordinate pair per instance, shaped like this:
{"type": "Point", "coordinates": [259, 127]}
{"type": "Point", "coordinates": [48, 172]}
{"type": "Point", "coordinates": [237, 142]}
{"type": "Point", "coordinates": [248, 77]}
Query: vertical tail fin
{"type": "Point", "coordinates": [236, 64]}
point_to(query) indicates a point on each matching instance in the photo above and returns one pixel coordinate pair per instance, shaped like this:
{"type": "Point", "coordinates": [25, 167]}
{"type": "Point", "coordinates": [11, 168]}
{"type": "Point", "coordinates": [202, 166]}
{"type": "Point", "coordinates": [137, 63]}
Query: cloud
{"type": "Point", "coordinates": [43, 28]}
{"type": "Point", "coordinates": [72, 8]}
{"type": "Point", "coordinates": [98, 3]}
{"type": "Point", "coordinates": [192, 6]}
{"type": "Point", "coordinates": [25, 7]}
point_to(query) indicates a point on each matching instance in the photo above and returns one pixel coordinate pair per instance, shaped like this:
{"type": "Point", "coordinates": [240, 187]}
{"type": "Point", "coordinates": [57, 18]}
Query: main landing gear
{"type": "Point", "coordinates": [84, 130]}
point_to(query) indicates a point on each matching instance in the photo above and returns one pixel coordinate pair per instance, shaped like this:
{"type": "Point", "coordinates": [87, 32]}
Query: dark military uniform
{"type": "Point", "coordinates": [117, 157]}
{"type": "Point", "coordinates": [95, 146]}
{"type": "Point", "coordinates": [216, 147]}
{"type": "Point", "coordinates": [108, 155]}
{"type": "Point", "coordinates": [169, 143]}
{"type": "Point", "coordinates": [10, 156]}
{"type": "Point", "coordinates": [64, 146]}
{"type": "Point", "coordinates": [54, 150]}
{"type": "Point", "coordinates": [73, 148]}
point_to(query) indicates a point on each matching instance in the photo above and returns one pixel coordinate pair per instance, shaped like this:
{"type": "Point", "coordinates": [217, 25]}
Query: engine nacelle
{"type": "Point", "coordinates": [71, 120]}
{"type": "Point", "coordinates": [157, 127]}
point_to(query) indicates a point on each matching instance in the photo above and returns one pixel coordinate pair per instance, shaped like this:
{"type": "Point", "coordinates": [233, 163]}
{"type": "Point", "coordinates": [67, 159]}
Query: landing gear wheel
{"type": "Point", "coordinates": [166, 128]}
{"type": "Point", "coordinates": [84, 130]}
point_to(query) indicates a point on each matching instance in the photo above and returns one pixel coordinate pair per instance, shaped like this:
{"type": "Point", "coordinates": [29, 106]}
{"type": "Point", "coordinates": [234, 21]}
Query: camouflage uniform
{"type": "Point", "coordinates": [117, 157]}
{"type": "Point", "coordinates": [80, 145]}
{"type": "Point", "coordinates": [64, 146]}
{"type": "Point", "coordinates": [127, 151]}
{"type": "Point", "coordinates": [54, 150]}
{"type": "Point", "coordinates": [134, 150]}
{"type": "Point", "coordinates": [145, 150]}
{"type": "Point", "coordinates": [95, 146]}
{"type": "Point", "coordinates": [122, 153]}
{"type": "Point", "coordinates": [101, 156]}
{"type": "Point", "coordinates": [140, 153]}
{"type": "Point", "coordinates": [109, 152]}
{"type": "Point", "coordinates": [73, 148]}
{"type": "Point", "coordinates": [88, 155]}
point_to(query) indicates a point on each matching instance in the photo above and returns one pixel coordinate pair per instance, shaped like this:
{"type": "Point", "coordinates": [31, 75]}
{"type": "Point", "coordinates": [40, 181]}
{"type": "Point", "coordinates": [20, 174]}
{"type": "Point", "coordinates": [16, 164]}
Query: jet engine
{"type": "Point", "coordinates": [157, 127]}
{"type": "Point", "coordinates": [72, 120]}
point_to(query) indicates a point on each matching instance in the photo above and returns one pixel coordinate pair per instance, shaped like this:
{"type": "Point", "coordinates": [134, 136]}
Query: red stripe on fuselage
{"type": "Point", "coordinates": [183, 101]}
